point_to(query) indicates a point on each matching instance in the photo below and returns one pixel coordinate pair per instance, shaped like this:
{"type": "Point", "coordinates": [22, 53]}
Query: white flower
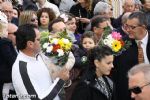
{"type": "Point", "coordinates": [65, 17]}
{"type": "Point", "coordinates": [45, 45]}
{"type": "Point", "coordinates": [110, 37]}
{"type": "Point", "coordinates": [49, 49]}
{"type": "Point", "coordinates": [60, 52]}
{"type": "Point", "coordinates": [49, 37]}
{"type": "Point", "coordinates": [66, 41]}
{"type": "Point", "coordinates": [108, 42]}
{"type": "Point", "coordinates": [54, 41]}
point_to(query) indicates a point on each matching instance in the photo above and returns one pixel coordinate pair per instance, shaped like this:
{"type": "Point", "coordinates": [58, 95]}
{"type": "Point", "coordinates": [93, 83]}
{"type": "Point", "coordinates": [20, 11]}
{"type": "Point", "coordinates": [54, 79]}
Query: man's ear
{"type": "Point", "coordinates": [29, 44]}
{"type": "Point", "coordinates": [144, 26]}
{"type": "Point", "coordinates": [94, 29]}
{"type": "Point", "coordinates": [96, 62]}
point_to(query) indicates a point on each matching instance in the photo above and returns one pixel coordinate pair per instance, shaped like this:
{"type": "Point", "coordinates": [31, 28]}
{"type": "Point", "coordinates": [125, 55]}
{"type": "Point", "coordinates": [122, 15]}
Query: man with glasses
{"type": "Point", "coordinates": [98, 24]}
{"type": "Point", "coordinates": [139, 81]}
{"type": "Point", "coordinates": [138, 52]}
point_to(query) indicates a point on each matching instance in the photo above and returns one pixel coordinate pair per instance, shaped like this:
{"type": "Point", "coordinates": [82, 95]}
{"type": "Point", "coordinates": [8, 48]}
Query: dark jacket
{"type": "Point", "coordinates": [147, 13]}
{"type": "Point", "coordinates": [122, 64]}
{"type": "Point", "coordinates": [87, 90]}
{"type": "Point", "coordinates": [80, 55]}
{"type": "Point", "coordinates": [7, 58]}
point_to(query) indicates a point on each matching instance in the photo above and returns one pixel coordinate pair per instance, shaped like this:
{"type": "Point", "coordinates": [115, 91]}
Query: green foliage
{"type": "Point", "coordinates": [107, 31]}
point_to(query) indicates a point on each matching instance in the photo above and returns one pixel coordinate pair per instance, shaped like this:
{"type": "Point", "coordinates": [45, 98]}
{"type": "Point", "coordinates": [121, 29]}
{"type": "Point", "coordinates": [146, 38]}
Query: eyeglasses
{"type": "Point", "coordinates": [137, 89]}
{"type": "Point", "coordinates": [131, 27]}
{"type": "Point", "coordinates": [33, 19]}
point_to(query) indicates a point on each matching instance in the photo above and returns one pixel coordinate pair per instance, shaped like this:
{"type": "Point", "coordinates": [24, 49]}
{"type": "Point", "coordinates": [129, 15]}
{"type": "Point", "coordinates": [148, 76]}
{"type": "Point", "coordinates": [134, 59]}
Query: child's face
{"type": "Point", "coordinates": [71, 25]}
{"type": "Point", "coordinates": [88, 43]}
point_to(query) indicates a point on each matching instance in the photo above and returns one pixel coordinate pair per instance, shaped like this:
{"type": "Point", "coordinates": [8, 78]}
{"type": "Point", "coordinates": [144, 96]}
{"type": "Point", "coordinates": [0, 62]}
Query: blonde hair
{"type": "Point", "coordinates": [89, 5]}
{"type": "Point", "coordinates": [26, 16]}
{"type": "Point", "coordinates": [3, 25]}
{"type": "Point", "coordinates": [3, 29]}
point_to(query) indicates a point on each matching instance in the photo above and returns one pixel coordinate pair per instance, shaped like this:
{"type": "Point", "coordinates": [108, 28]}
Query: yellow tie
{"type": "Point", "coordinates": [140, 53]}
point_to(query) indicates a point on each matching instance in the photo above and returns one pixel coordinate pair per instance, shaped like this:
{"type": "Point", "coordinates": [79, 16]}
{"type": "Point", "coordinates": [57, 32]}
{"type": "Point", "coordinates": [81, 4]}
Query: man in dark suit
{"type": "Point", "coordinates": [136, 26]}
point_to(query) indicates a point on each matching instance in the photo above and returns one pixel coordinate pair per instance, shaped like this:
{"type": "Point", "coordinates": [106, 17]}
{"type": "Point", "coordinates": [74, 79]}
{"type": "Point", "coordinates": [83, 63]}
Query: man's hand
{"type": "Point", "coordinates": [63, 74]}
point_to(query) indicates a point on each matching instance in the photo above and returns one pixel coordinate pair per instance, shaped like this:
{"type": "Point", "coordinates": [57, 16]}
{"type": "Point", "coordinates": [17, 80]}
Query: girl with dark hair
{"type": "Point", "coordinates": [95, 85]}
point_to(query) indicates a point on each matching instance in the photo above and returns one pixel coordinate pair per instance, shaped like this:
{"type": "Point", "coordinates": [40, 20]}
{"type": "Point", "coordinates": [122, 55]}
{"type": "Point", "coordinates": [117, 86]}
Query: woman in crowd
{"type": "Point", "coordinates": [45, 16]}
{"type": "Point", "coordinates": [95, 84]}
{"type": "Point", "coordinates": [28, 17]}
{"type": "Point", "coordinates": [83, 11]}
{"type": "Point", "coordinates": [71, 27]}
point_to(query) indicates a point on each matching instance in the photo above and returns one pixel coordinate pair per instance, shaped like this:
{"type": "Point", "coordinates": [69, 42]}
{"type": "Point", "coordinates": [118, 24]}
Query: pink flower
{"type": "Point", "coordinates": [116, 35]}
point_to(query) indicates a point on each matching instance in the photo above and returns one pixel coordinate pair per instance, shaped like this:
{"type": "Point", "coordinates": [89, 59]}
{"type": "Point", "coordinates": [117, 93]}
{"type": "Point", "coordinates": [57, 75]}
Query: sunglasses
{"type": "Point", "coordinates": [33, 19]}
{"type": "Point", "coordinates": [137, 89]}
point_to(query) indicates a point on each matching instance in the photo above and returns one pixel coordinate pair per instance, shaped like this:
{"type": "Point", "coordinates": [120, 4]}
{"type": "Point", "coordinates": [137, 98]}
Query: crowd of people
{"type": "Point", "coordinates": [92, 72]}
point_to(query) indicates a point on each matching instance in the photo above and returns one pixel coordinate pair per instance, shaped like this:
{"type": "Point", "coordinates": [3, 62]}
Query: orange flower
{"type": "Point", "coordinates": [56, 47]}
{"type": "Point", "coordinates": [122, 43]}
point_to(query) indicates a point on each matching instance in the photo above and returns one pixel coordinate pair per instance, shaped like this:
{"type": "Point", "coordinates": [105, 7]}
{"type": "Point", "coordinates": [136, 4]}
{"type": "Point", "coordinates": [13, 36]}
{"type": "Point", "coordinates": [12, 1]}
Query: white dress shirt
{"type": "Point", "coordinates": [144, 45]}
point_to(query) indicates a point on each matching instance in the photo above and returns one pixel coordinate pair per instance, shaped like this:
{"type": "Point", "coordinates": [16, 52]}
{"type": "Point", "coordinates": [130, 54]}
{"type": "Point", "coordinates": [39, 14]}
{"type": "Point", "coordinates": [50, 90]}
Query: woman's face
{"type": "Point", "coordinates": [34, 20]}
{"type": "Point", "coordinates": [44, 19]}
{"type": "Point", "coordinates": [15, 13]}
{"type": "Point", "coordinates": [104, 66]}
{"type": "Point", "coordinates": [88, 43]}
{"type": "Point", "coordinates": [71, 25]}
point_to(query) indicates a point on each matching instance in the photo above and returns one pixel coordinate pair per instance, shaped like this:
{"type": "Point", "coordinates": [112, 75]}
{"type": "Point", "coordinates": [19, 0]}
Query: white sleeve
{"type": "Point", "coordinates": [53, 90]}
{"type": "Point", "coordinates": [71, 61]}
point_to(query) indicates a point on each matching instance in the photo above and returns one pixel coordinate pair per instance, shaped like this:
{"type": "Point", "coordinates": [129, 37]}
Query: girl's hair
{"type": "Point", "coordinates": [88, 34]}
{"type": "Point", "coordinates": [26, 17]}
{"type": "Point", "coordinates": [70, 16]}
{"type": "Point", "coordinates": [50, 13]}
{"type": "Point", "coordinates": [15, 8]}
{"type": "Point", "coordinates": [97, 53]}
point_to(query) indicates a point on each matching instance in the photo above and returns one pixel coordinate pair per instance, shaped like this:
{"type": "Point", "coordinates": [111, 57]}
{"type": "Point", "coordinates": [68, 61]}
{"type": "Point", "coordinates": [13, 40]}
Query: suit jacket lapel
{"type": "Point", "coordinates": [148, 47]}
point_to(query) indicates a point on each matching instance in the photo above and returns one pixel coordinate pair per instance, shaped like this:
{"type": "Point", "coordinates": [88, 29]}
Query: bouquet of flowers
{"type": "Point", "coordinates": [114, 40]}
{"type": "Point", "coordinates": [57, 48]}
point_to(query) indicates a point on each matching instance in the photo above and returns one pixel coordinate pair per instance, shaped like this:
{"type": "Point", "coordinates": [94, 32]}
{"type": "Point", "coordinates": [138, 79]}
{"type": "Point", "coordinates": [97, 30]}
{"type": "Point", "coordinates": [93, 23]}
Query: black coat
{"type": "Point", "coordinates": [86, 90]}
{"type": "Point", "coordinates": [7, 58]}
{"type": "Point", "coordinates": [122, 64]}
